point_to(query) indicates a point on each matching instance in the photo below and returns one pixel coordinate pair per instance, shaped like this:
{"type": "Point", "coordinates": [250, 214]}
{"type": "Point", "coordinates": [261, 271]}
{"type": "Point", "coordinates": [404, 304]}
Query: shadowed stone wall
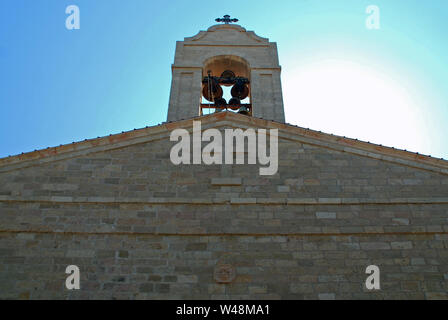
{"type": "Point", "coordinates": [140, 227]}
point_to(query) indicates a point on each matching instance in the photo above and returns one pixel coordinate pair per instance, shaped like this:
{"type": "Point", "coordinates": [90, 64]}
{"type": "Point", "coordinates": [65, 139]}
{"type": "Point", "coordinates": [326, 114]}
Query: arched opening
{"type": "Point", "coordinates": [218, 64]}
{"type": "Point", "coordinates": [226, 85]}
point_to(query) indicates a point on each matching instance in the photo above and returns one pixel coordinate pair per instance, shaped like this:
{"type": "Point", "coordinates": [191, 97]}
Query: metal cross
{"type": "Point", "coordinates": [226, 19]}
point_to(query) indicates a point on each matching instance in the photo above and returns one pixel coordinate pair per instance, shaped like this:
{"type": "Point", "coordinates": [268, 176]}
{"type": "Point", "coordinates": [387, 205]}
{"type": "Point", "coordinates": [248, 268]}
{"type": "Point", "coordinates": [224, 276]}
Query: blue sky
{"type": "Point", "coordinates": [387, 86]}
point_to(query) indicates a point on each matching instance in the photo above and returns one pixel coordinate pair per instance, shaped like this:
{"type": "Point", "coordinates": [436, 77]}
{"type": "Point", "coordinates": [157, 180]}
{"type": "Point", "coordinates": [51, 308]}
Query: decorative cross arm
{"type": "Point", "coordinates": [226, 19]}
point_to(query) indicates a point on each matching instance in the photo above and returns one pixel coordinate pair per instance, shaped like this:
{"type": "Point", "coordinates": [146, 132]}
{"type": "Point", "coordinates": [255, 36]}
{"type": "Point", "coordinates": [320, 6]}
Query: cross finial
{"type": "Point", "coordinates": [226, 19]}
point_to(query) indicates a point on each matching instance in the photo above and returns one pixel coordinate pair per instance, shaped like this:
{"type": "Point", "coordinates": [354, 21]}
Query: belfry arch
{"type": "Point", "coordinates": [219, 64]}
{"type": "Point", "coordinates": [226, 73]}
{"type": "Point", "coordinates": [226, 55]}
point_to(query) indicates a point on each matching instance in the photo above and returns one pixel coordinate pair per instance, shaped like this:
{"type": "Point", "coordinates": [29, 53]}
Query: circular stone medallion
{"type": "Point", "coordinates": [224, 273]}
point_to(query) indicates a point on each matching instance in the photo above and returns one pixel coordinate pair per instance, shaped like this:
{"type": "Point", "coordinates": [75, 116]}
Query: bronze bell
{"type": "Point", "coordinates": [220, 102]}
{"type": "Point", "coordinates": [227, 76]}
{"type": "Point", "coordinates": [212, 90]}
{"type": "Point", "coordinates": [234, 103]}
{"type": "Point", "coordinates": [240, 90]}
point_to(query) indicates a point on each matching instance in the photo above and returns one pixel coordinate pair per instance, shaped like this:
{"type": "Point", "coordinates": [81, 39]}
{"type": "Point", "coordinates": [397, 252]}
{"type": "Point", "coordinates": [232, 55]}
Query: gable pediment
{"type": "Point", "coordinates": [226, 119]}
{"type": "Point", "coordinates": [135, 166]}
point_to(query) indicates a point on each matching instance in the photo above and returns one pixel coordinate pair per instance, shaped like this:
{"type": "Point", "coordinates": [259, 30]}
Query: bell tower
{"type": "Point", "coordinates": [226, 68]}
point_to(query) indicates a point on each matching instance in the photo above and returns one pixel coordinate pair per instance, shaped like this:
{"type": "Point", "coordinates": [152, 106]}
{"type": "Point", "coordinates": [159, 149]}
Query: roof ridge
{"type": "Point", "coordinates": [163, 127]}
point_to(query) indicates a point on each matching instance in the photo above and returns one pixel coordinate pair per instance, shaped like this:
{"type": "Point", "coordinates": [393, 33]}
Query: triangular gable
{"type": "Point", "coordinates": [229, 119]}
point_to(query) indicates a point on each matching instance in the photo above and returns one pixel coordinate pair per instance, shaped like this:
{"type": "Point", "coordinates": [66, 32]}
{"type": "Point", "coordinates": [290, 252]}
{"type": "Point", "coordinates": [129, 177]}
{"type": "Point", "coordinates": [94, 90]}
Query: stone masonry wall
{"type": "Point", "coordinates": [141, 228]}
{"type": "Point", "coordinates": [181, 267]}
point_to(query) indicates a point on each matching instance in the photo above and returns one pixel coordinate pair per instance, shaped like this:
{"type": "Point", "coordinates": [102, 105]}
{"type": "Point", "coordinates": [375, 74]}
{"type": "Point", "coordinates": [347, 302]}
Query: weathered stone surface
{"type": "Point", "coordinates": [140, 227]}
{"type": "Point", "coordinates": [226, 181]}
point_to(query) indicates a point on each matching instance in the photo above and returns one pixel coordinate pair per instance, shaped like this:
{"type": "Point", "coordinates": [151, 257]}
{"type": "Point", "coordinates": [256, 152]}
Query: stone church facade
{"type": "Point", "coordinates": [140, 227]}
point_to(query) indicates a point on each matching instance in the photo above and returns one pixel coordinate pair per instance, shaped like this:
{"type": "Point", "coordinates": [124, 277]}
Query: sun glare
{"type": "Point", "coordinates": [353, 100]}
